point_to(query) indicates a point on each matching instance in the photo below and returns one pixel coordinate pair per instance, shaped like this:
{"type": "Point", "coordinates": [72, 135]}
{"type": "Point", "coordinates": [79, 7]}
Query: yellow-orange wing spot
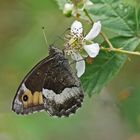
{"type": "Point", "coordinates": [27, 98]}
{"type": "Point", "coordinates": [40, 98]}
{"type": "Point", "coordinates": [37, 98]}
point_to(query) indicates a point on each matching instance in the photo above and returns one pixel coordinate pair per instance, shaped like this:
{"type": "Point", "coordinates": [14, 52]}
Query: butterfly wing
{"type": "Point", "coordinates": [62, 89]}
{"type": "Point", "coordinates": [29, 96]}
{"type": "Point", "coordinates": [49, 86]}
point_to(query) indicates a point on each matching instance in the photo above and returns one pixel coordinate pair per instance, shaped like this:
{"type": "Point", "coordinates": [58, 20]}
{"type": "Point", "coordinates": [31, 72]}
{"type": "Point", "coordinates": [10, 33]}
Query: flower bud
{"type": "Point", "coordinates": [67, 11]}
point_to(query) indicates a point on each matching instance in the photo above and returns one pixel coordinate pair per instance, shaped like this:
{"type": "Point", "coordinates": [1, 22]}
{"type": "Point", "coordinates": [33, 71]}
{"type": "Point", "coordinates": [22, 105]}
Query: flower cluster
{"type": "Point", "coordinates": [75, 7]}
{"type": "Point", "coordinates": [80, 42]}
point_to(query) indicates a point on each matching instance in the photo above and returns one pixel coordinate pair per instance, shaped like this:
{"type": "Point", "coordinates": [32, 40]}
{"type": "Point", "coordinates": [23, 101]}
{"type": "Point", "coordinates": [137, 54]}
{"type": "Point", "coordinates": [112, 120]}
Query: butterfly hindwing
{"type": "Point", "coordinates": [61, 88]}
{"type": "Point", "coordinates": [50, 85]}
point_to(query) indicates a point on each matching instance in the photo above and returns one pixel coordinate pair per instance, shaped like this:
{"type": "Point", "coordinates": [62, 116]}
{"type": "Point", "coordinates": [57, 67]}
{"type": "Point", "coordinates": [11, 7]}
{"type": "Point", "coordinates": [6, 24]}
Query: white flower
{"type": "Point", "coordinates": [91, 49]}
{"type": "Point", "coordinates": [76, 7]}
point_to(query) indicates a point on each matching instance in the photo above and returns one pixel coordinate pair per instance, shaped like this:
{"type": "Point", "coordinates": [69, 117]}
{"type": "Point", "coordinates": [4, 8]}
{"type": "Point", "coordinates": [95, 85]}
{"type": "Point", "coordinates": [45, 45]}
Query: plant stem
{"type": "Point", "coordinates": [87, 14]}
{"type": "Point", "coordinates": [119, 50]}
{"type": "Point", "coordinates": [107, 40]}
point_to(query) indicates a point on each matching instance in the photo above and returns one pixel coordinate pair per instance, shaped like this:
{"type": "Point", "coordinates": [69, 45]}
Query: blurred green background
{"type": "Point", "coordinates": [114, 114]}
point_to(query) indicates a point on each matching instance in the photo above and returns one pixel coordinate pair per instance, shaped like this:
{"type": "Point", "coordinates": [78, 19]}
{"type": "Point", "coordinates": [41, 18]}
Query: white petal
{"type": "Point", "coordinates": [80, 63]}
{"type": "Point", "coordinates": [95, 30]}
{"type": "Point", "coordinates": [76, 28]}
{"type": "Point", "coordinates": [92, 49]}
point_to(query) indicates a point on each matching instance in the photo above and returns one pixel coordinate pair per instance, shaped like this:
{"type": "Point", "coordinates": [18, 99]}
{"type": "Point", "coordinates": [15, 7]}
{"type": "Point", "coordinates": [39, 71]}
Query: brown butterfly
{"type": "Point", "coordinates": [51, 86]}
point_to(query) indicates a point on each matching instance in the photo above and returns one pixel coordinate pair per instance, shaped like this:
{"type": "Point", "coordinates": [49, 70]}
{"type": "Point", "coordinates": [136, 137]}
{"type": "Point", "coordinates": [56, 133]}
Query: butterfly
{"type": "Point", "coordinates": [51, 86]}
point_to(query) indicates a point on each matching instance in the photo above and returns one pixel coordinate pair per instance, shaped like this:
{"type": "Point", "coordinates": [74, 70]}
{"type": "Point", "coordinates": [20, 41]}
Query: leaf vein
{"type": "Point", "coordinates": [128, 26]}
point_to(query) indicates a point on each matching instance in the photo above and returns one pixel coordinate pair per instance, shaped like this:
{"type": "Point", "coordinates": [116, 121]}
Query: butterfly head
{"type": "Point", "coordinates": [53, 50]}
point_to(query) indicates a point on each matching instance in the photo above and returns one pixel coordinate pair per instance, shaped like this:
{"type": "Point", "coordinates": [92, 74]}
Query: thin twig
{"type": "Point", "coordinates": [87, 14]}
{"type": "Point", "coordinates": [107, 40]}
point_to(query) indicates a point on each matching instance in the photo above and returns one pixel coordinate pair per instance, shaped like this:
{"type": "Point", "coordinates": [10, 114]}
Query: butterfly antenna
{"type": "Point", "coordinates": [44, 34]}
{"type": "Point", "coordinates": [59, 37]}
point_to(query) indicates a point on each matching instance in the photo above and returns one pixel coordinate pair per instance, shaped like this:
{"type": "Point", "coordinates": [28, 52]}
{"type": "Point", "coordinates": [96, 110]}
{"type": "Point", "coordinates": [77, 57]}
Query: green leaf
{"type": "Point", "coordinates": [124, 21]}
{"type": "Point", "coordinates": [117, 17]}
{"type": "Point", "coordinates": [106, 65]}
{"type": "Point", "coordinates": [134, 3]}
